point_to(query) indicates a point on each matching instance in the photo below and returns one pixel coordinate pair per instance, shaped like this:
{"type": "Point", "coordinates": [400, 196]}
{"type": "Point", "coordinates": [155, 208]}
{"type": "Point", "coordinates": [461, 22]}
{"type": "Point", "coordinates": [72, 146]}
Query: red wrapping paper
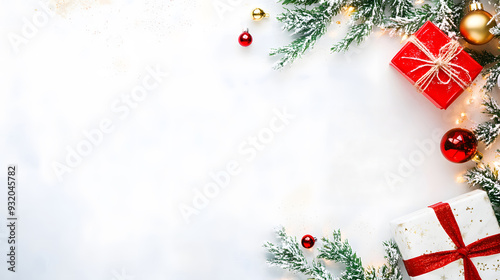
{"type": "Point", "coordinates": [441, 94]}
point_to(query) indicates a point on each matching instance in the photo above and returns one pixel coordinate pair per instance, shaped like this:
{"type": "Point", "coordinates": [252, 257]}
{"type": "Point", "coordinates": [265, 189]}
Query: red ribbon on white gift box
{"type": "Point", "coordinates": [428, 262]}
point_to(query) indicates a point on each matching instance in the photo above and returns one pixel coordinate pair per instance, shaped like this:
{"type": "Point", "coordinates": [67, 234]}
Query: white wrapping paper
{"type": "Point", "coordinates": [421, 233]}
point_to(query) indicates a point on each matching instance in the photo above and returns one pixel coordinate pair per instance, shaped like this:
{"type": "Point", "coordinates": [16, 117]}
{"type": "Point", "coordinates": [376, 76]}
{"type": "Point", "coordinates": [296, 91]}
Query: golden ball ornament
{"type": "Point", "coordinates": [258, 14]}
{"type": "Point", "coordinates": [475, 25]}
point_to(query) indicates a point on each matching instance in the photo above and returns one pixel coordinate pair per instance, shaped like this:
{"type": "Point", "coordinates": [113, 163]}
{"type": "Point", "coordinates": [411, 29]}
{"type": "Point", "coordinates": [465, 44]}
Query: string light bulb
{"type": "Point", "coordinates": [349, 11]}
{"type": "Point", "coordinates": [403, 39]}
{"type": "Point", "coordinates": [461, 119]}
{"type": "Point", "coordinates": [460, 179]}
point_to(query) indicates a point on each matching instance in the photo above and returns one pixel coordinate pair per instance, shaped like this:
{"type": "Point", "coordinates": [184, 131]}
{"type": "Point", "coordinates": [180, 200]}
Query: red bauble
{"type": "Point", "coordinates": [245, 39]}
{"type": "Point", "coordinates": [308, 241]}
{"type": "Point", "coordinates": [459, 145]}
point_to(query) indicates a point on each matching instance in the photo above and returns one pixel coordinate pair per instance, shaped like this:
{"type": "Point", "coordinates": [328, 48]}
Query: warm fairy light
{"type": "Point", "coordinates": [404, 38]}
{"type": "Point", "coordinates": [496, 164]}
{"type": "Point", "coordinates": [419, 1]}
{"type": "Point", "coordinates": [349, 11]}
{"type": "Point", "coordinates": [460, 179]}
{"type": "Point", "coordinates": [462, 118]}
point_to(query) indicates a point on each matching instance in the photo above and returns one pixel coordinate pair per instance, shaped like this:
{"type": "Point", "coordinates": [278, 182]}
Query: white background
{"type": "Point", "coordinates": [116, 214]}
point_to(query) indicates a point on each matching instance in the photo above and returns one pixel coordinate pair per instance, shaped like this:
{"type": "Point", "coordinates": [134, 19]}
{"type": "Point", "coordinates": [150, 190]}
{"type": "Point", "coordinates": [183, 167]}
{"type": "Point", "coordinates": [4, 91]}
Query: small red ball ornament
{"type": "Point", "coordinates": [308, 241]}
{"type": "Point", "coordinates": [245, 39]}
{"type": "Point", "coordinates": [459, 145]}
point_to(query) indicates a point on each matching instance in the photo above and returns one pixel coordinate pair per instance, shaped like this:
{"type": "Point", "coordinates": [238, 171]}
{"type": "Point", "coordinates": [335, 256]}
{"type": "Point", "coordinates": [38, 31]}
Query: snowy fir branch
{"type": "Point", "coordinates": [289, 256]}
{"type": "Point", "coordinates": [492, 73]}
{"type": "Point", "coordinates": [408, 25]}
{"type": "Point", "coordinates": [308, 20]}
{"type": "Point", "coordinates": [446, 14]}
{"type": "Point", "coordinates": [366, 15]}
{"type": "Point", "coordinates": [307, 24]}
{"type": "Point", "coordinates": [483, 57]}
{"type": "Point", "coordinates": [401, 8]}
{"type": "Point", "coordinates": [341, 252]}
{"type": "Point", "coordinates": [486, 178]}
{"type": "Point", "coordinates": [488, 131]}
{"type": "Point", "coordinates": [391, 270]}
{"type": "Point", "coordinates": [496, 29]}
{"type": "Point", "coordinates": [491, 64]}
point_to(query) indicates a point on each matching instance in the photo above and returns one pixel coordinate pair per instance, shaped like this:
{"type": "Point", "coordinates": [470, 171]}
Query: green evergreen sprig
{"type": "Point", "coordinates": [289, 256]}
{"type": "Point", "coordinates": [401, 8]}
{"type": "Point", "coordinates": [446, 14]}
{"type": "Point", "coordinates": [491, 64]}
{"type": "Point", "coordinates": [488, 131]}
{"type": "Point", "coordinates": [389, 271]}
{"type": "Point", "coordinates": [486, 178]}
{"type": "Point", "coordinates": [309, 20]}
{"type": "Point", "coordinates": [307, 24]}
{"type": "Point", "coordinates": [367, 14]}
{"type": "Point", "coordinates": [341, 252]}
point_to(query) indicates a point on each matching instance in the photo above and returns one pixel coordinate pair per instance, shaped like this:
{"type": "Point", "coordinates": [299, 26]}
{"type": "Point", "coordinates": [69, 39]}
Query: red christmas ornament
{"type": "Point", "coordinates": [459, 145]}
{"type": "Point", "coordinates": [245, 39]}
{"type": "Point", "coordinates": [308, 241]}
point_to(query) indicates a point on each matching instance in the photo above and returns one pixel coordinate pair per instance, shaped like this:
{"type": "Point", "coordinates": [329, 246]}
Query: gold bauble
{"type": "Point", "coordinates": [474, 26]}
{"type": "Point", "coordinates": [258, 14]}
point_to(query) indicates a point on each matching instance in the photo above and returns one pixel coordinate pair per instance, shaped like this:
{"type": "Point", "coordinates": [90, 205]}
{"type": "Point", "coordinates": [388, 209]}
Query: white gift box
{"type": "Point", "coordinates": [421, 234]}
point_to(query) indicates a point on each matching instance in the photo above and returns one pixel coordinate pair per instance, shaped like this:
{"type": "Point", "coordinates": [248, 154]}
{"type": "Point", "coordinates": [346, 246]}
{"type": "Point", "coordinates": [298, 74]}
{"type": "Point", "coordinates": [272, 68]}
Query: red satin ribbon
{"type": "Point", "coordinates": [428, 262]}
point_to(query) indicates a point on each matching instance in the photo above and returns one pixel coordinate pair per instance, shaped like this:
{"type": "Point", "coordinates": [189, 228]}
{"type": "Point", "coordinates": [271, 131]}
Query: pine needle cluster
{"type": "Point", "coordinates": [289, 256]}
{"type": "Point", "coordinates": [486, 178]}
{"type": "Point", "coordinates": [308, 21]}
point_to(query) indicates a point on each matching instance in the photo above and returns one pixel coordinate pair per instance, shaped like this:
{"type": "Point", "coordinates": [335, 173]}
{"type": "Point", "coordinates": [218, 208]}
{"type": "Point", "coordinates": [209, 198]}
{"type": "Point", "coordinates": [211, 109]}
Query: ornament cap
{"type": "Point", "coordinates": [477, 157]}
{"type": "Point", "coordinates": [474, 6]}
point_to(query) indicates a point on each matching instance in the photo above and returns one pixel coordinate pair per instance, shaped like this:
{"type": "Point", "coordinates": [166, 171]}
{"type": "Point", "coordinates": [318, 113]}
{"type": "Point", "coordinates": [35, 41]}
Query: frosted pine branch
{"type": "Point", "coordinates": [401, 8]}
{"type": "Point", "coordinates": [486, 178]}
{"type": "Point", "coordinates": [289, 256]}
{"type": "Point", "coordinates": [356, 35]}
{"type": "Point", "coordinates": [308, 25]}
{"type": "Point", "coordinates": [338, 251]}
{"type": "Point", "coordinates": [367, 14]}
{"type": "Point", "coordinates": [444, 13]}
{"type": "Point", "coordinates": [299, 2]}
{"type": "Point", "coordinates": [483, 57]}
{"type": "Point", "coordinates": [496, 30]}
{"type": "Point", "coordinates": [309, 20]}
{"type": "Point", "coordinates": [391, 270]}
{"type": "Point", "coordinates": [491, 74]}
{"type": "Point", "coordinates": [488, 131]}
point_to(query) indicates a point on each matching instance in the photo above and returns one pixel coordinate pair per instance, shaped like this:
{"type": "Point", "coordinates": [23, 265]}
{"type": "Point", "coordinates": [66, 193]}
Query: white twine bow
{"type": "Point", "coordinates": [442, 62]}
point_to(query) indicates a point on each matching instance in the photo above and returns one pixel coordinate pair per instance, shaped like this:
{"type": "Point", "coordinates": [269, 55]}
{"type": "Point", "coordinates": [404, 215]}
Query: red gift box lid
{"type": "Point", "coordinates": [441, 94]}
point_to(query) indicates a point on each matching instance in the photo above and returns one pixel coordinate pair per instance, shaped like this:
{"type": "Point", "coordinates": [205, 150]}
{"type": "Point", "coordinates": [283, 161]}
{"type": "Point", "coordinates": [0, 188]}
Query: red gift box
{"type": "Point", "coordinates": [436, 65]}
